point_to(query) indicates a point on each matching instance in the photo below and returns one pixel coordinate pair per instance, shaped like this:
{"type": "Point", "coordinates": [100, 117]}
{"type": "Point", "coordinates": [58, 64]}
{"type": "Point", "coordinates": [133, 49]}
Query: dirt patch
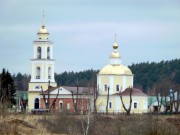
{"type": "Point", "coordinates": [175, 122]}
{"type": "Point", "coordinates": [22, 123]}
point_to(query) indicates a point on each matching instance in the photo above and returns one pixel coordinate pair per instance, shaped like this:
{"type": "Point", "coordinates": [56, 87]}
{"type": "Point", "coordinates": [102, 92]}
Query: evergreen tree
{"type": "Point", "coordinates": [7, 88]}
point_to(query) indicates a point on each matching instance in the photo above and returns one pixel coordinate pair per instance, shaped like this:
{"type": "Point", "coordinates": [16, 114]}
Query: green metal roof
{"type": "Point", "coordinates": [152, 99]}
{"type": "Point", "coordinates": [21, 94]}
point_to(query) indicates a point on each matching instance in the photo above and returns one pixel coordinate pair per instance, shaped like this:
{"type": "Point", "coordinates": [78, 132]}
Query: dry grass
{"type": "Point", "coordinates": [24, 124]}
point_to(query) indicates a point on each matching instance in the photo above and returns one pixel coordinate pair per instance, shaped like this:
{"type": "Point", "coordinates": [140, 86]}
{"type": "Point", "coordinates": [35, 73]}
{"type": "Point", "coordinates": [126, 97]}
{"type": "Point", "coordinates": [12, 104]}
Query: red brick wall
{"type": "Point", "coordinates": [82, 104]}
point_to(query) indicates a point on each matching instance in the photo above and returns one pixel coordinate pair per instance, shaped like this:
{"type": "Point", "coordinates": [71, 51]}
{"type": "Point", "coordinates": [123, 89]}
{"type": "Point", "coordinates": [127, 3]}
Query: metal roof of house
{"type": "Point", "coordinates": [82, 90]}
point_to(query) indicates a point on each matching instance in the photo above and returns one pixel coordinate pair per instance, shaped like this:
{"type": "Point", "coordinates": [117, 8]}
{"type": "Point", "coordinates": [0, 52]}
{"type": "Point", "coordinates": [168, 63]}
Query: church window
{"type": "Point", "coordinates": [110, 104]}
{"type": "Point", "coordinates": [117, 87]}
{"type": "Point", "coordinates": [48, 53]}
{"type": "Point", "coordinates": [105, 87]}
{"type": "Point", "coordinates": [37, 87]}
{"type": "Point", "coordinates": [38, 71]}
{"type": "Point", "coordinates": [135, 105]}
{"type": "Point", "coordinates": [39, 52]}
{"type": "Point", "coordinates": [49, 73]}
{"type": "Point", "coordinates": [36, 103]}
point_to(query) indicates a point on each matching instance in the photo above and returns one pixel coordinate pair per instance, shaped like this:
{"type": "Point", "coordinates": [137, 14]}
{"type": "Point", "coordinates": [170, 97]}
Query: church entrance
{"type": "Point", "coordinates": [36, 103]}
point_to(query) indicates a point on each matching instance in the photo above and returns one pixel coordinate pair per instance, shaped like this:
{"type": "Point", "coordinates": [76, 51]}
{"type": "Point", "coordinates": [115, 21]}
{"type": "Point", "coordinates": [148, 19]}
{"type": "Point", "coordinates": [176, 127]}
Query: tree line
{"type": "Point", "coordinates": [83, 78]}
{"type": "Point", "coordinates": [146, 75]}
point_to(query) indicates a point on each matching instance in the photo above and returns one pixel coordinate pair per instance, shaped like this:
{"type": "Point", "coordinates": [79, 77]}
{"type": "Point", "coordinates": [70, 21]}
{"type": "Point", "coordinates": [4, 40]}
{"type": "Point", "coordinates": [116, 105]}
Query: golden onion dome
{"type": "Point", "coordinates": [115, 54]}
{"type": "Point", "coordinates": [115, 70]}
{"type": "Point", "coordinates": [43, 30]}
{"type": "Point", "coordinates": [115, 46]}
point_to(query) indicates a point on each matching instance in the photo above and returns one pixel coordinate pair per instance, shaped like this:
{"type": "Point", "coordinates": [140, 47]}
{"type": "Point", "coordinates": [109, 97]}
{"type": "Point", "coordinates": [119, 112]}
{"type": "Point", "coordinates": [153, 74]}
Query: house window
{"type": "Point", "coordinates": [110, 104]}
{"type": "Point", "coordinates": [117, 87]}
{"type": "Point", "coordinates": [105, 87]}
{"type": "Point", "coordinates": [54, 105]}
{"type": "Point", "coordinates": [68, 105]}
{"type": "Point", "coordinates": [61, 105]}
{"type": "Point", "coordinates": [135, 104]}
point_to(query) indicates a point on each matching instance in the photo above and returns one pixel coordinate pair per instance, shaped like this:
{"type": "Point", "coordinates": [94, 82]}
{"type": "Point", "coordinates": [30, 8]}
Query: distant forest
{"type": "Point", "coordinates": [146, 75]}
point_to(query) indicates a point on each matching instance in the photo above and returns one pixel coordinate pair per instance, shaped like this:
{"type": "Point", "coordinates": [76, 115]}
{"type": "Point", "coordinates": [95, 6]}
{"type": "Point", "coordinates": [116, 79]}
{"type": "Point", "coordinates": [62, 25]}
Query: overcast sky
{"type": "Point", "coordinates": [83, 32]}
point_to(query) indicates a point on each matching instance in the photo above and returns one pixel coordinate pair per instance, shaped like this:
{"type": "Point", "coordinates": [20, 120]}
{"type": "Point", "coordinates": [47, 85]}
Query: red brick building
{"type": "Point", "coordinates": [64, 99]}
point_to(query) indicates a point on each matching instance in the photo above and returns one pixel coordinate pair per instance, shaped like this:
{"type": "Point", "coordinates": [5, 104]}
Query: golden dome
{"type": "Point", "coordinates": [43, 30]}
{"type": "Point", "coordinates": [115, 46]}
{"type": "Point", "coordinates": [115, 70]}
{"type": "Point", "coordinates": [115, 55]}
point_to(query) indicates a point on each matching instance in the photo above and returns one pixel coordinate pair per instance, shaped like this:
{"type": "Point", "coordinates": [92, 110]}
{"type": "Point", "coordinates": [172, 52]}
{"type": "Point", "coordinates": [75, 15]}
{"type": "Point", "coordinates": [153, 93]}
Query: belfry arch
{"type": "Point", "coordinates": [48, 53]}
{"type": "Point", "coordinates": [38, 72]}
{"type": "Point", "coordinates": [39, 52]}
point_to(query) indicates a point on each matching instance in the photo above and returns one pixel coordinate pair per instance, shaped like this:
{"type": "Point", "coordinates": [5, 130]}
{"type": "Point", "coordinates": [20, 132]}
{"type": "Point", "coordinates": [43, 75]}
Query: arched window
{"type": "Point", "coordinates": [36, 103]}
{"type": "Point", "coordinates": [48, 53]}
{"type": "Point", "coordinates": [60, 104]}
{"type": "Point", "coordinates": [49, 73]}
{"type": "Point", "coordinates": [39, 52]}
{"type": "Point", "coordinates": [38, 73]}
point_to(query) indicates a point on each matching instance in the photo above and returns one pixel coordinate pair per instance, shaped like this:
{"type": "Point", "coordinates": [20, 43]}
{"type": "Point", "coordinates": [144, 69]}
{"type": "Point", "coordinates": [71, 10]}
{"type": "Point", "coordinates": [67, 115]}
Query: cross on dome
{"type": "Point", "coordinates": [115, 46]}
{"type": "Point", "coordinates": [43, 20]}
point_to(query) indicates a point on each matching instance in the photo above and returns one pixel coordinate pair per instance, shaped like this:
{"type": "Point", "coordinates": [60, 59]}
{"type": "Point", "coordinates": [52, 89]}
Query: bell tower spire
{"type": "Point", "coordinates": [43, 26]}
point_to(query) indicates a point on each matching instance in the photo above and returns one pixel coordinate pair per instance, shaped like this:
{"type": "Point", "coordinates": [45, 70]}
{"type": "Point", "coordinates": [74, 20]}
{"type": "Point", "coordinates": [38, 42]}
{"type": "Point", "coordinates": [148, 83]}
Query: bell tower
{"type": "Point", "coordinates": [42, 67]}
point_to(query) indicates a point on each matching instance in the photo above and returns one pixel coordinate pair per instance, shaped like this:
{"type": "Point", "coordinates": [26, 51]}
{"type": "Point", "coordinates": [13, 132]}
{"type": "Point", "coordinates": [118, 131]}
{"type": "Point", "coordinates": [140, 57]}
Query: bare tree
{"type": "Point", "coordinates": [54, 101]}
{"type": "Point", "coordinates": [176, 102]}
{"type": "Point", "coordinates": [77, 94]}
{"type": "Point", "coordinates": [47, 101]}
{"type": "Point", "coordinates": [96, 94]}
{"type": "Point", "coordinates": [161, 89]}
{"type": "Point", "coordinates": [74, 104]}
{"type": "Point", "coordinates": [128, 110]}
{"type": "Point", "coordinates": [107, 101]}
{"type": "Point", "coordinates": [159, 99]}
{"type": "Point", "coordinates": [87, 120]}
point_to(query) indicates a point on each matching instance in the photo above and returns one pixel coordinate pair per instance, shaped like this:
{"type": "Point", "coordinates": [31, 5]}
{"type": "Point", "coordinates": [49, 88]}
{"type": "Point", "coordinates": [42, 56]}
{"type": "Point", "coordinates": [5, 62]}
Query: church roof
{"type": "Point", "coordinates": [115, 67]}
{"type": "Point", "coordinates": [82, 90]}
{"type": "Point", "coordinates": [135, 92]}
{"type": "Point", "coordinates": [115, 70]}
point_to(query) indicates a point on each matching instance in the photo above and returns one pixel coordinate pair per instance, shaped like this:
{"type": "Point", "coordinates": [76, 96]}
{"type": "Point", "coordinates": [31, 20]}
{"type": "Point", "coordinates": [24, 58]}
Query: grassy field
{"type": "Point", "coordinates": [27, 124]}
